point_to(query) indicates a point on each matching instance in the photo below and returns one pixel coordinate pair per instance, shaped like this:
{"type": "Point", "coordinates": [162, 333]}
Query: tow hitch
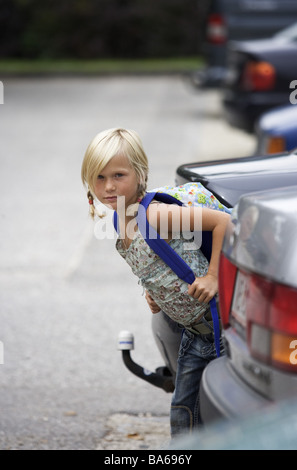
{"type": "Point", "coordinates": [161, 378]}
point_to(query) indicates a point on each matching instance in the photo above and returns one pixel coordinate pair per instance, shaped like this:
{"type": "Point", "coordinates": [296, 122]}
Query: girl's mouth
{"type": "Point", "coordinates": [110, 198]}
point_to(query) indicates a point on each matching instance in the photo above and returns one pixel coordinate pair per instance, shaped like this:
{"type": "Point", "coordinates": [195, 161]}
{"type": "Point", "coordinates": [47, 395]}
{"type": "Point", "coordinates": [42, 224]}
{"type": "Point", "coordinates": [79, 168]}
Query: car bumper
{"type": "Point", "coordinates": [242, 110]}
{"type": "Point", "coordinates": [223, 395]}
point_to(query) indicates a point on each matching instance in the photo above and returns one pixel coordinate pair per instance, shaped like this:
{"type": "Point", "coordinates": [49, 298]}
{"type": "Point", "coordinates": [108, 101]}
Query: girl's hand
{"type": "Point", "coordinates": [151, 303]}
{"type": "Point", "coordinates": [204, 288]}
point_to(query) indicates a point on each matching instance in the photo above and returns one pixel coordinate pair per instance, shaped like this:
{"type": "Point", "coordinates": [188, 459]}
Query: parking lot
{"type": "Point", "coordinates": [64, 294]}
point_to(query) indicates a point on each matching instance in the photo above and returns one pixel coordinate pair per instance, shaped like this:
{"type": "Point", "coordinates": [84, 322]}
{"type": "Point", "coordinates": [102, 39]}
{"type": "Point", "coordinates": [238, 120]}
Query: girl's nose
{"type": "Point", "coordinates": [109, 185]}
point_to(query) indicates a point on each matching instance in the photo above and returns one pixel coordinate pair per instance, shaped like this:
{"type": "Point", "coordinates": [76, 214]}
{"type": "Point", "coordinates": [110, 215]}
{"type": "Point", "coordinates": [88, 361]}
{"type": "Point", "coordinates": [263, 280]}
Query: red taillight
{"type": "Point", "coordinates": [258, 76]}
{"type": "Point", "coordinates": [216, 29]}
{"type": "Point", "coordinates": [283, 323]}
{"type": "Point", "coordinates": [270, 319]}
{"type": "Point", "coordinates": [283, 310]}
{"type": "Point", "coordinates": [227, 276]}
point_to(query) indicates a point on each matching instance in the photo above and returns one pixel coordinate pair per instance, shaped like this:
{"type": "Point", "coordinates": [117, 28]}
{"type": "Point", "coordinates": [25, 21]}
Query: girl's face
{"type": "Point", "coordinates": [118, 178]}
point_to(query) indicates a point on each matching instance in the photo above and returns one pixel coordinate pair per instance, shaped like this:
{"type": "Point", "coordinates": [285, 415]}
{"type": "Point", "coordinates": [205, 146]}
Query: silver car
{"type": "Point", "coordinates": [258, 305]}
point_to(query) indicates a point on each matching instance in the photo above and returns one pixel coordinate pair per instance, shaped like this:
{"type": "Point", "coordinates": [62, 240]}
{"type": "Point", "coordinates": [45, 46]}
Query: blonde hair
{"type": "Point", "coordinates": [106, 145]}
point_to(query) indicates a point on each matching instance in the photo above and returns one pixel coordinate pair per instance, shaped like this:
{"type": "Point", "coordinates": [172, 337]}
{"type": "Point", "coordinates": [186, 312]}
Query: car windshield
{"type": "Point", "coordinates": [288, 34]}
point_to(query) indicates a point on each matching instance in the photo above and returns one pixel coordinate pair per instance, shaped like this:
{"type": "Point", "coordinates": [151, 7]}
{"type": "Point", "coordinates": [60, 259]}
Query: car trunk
{"type": "Point", "coordinates": [228, 179]}
{"type": "Point", "coordinates": [258, 291]}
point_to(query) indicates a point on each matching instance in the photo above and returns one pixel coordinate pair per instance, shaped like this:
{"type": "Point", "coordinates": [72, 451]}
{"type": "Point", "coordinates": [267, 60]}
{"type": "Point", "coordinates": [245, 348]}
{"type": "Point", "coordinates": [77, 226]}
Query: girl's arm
{"type": "Point", "coordinates": [169, 219]}
{"type": "Point", "coordinates": [204, 288]}
{"type": "Point", "coordinates": [151, 303]}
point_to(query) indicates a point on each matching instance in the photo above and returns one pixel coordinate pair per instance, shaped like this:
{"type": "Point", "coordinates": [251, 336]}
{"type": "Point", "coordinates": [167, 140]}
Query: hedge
{"type": "Point", "coordinates": [89, 29]}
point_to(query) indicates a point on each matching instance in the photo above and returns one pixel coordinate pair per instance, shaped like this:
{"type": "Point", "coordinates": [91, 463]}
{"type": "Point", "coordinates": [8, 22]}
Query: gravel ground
{"type": "Point", "coordinates": [139, 432]}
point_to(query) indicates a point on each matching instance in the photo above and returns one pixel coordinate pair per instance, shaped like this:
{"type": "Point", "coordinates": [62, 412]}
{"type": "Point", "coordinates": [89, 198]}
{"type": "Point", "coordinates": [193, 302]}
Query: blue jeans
{"type": "Point", "coordinates": [195, 353]}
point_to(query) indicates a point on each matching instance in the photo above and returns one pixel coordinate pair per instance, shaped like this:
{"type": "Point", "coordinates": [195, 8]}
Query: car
{"type": "Point", "coordinates": [229, 179]}
{"type": "Point", "coordinates": [261, 75]}
{"type": "Point", "coordinates": [257, 285]}
{"type": "Point", "coordinates": [258, 305]}
{"type": "Point", "coordinates": [229, 20]}
{"type": "Point", "coordinates": [276, 130]}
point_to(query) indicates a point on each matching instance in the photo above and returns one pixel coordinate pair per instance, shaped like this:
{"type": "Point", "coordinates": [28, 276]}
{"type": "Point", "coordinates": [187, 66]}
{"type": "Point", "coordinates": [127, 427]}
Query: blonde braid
{"type": "Point", "coordinates": [93, 210]}
{"type": "Point", "coordinates": [142, 187]}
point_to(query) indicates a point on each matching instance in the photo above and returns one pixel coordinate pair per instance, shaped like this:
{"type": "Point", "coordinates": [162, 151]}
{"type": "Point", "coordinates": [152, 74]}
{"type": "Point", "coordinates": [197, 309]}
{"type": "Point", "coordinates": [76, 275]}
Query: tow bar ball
{"type": "Point", "coordinates": [125, 341]}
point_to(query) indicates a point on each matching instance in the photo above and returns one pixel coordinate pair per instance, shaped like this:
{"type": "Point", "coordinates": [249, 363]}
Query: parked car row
{"type": "Point", "coordinates": [259, 77]}
{"type": "Point", "coordinates": [229, 20]}
{"type": "Point", "coordinates": [251, 51]}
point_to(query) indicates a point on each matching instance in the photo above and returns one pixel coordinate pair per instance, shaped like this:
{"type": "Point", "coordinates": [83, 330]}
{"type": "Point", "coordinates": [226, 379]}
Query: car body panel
{"type": "Point", "coordinates": [260, 239]}
{"type": "Point", "coordinates": [231, 399]}
{"type": "Point", "coordinates": [273, 235]}
{"type": "Point", "coordinates": [245, 385]}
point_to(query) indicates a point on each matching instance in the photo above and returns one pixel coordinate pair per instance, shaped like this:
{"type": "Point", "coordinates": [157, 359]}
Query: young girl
{"type": "Point", "coordinates": [115, 172]}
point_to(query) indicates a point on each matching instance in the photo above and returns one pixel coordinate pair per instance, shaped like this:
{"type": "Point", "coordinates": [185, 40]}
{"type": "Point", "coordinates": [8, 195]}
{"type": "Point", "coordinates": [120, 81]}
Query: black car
{"type": "Point", "coordinates": [261, 75]}
{"type": "Point", "coordinates": [229, 20]}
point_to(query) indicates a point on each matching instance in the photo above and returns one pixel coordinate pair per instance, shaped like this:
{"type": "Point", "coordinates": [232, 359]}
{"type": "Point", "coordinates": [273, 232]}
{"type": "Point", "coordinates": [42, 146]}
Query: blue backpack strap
{"type": "Point", "coordinates": [115, 221]}
{"type": "Point", "coordinates": [158, 244]}
{"type": "Point", "coordinates": [169, 256]}
{"type": "Point", "coordinates": [216, 324]}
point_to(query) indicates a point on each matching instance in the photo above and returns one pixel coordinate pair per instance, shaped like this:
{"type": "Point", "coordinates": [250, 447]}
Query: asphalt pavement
{"type": "Point", "coordinates": [65, 295]}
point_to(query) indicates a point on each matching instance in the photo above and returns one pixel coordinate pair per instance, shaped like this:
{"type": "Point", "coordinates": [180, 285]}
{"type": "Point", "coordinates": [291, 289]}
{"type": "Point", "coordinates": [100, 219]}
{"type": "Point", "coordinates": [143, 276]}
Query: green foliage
{"type": "Point", "coordinates": [99, 28]}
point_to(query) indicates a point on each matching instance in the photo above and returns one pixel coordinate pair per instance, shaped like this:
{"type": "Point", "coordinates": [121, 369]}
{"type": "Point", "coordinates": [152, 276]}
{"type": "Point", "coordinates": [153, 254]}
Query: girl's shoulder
{"type": "Point", "coordinates": [162, 209]}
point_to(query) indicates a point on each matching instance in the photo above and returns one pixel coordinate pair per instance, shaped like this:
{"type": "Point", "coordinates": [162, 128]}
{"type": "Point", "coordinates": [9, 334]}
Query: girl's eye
{"type": "Point", "coordinates": [99, 177]}
{"type": "Point", "coordinates": [118, 175]}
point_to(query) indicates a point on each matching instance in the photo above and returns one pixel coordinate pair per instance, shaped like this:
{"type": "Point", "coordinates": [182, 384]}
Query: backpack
{"type": "Point", "coordinates": [189, 194]}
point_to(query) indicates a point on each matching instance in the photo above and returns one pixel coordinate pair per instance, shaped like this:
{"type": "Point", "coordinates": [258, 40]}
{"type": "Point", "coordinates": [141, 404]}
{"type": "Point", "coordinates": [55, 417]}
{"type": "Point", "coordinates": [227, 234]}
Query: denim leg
{"type": "Point", "coordinates": [194, 355]}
